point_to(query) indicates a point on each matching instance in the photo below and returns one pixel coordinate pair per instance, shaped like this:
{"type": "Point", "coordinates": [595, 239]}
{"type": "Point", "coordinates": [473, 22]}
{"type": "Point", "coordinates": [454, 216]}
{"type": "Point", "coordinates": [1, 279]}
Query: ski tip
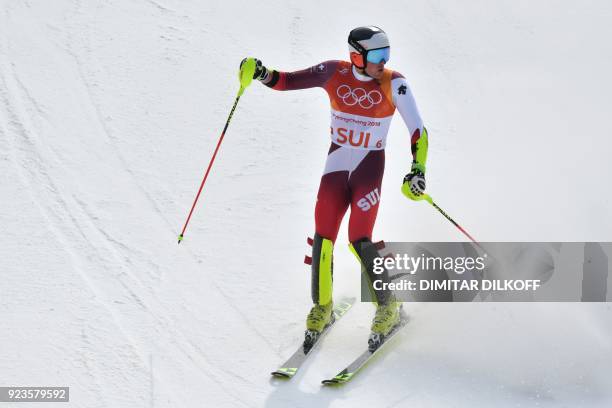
{"type": "Point", "coordinates": [280, 375]}
{"type": "Point", "coordinates": [339, 379]}
{"type": "Point", "coordinates": [332, 382]}
{"type": "Point", "coordinates": [284, 372]}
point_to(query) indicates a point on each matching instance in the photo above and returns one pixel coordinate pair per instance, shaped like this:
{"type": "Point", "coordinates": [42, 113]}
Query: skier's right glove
{"type": "Point", "coordinates": [261, 72]}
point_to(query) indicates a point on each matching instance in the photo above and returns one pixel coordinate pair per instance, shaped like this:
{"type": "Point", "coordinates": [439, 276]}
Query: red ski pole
{"type": "Point", "coordinates": [246, 76]}
{"type": "Point", "coordinates": [427, 197]}
{"type": "Point", "coordinates": [441, 211]}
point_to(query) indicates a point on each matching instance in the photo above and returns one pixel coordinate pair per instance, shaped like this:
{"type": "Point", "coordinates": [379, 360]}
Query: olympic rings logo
{"type": "Point", "coordinates": [359, 96]}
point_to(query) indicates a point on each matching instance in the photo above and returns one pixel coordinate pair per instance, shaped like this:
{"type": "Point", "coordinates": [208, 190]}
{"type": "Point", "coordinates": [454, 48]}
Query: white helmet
{"type": "Point", "coordinates": [364, 39]}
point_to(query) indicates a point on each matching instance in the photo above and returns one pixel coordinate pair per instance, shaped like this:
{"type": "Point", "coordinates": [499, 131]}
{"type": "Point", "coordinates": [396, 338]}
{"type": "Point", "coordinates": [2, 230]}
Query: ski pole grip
{"type": "Point", "coordinates": [247, 70]}
{"type": "Point", "coordinates": [406, 191]}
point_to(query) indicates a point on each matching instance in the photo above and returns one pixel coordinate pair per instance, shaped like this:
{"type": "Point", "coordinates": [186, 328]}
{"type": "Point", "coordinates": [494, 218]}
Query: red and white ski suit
{"type": "Point", "coordinates": [361, 112]}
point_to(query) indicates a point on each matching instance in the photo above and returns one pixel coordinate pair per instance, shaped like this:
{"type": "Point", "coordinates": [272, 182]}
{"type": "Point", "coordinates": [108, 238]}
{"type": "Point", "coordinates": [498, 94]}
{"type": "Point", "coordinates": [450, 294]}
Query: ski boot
{"type": "Point", "coordinates": [322, 313]}
{"type": "Point", "coordinates": [387, 317]}
{"type": "Point", "coordinates": [318, 319]}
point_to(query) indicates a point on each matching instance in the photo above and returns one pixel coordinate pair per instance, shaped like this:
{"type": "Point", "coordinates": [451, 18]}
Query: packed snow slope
{"type": "Point", "coordinates": [110, 110]}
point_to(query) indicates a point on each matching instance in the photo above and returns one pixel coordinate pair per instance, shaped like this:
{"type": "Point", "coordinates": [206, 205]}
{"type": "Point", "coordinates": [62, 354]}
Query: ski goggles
{"type": "Point", "coordinates": [378, 55]}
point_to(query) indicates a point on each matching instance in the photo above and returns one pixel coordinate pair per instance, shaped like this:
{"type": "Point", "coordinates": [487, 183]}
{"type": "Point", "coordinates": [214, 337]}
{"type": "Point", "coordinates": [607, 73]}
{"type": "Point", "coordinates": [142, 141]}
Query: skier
{"type": "Point", "coordinates": [363, 96]}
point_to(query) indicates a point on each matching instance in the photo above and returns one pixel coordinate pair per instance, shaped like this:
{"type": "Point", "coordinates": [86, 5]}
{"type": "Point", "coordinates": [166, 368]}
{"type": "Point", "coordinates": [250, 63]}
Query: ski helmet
{"type": "Point", "coordinates": [363, 41]}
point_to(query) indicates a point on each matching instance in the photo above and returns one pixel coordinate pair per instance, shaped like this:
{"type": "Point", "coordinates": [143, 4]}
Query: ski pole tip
{"type": "Point", "coordinates": [180, 238]}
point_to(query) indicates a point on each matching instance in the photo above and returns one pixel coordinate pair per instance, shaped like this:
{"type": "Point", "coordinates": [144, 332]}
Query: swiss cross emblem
{"type": "Point", "coordinates": [401, 90]}
{"type": "Point", "coordinates": [320, 68]}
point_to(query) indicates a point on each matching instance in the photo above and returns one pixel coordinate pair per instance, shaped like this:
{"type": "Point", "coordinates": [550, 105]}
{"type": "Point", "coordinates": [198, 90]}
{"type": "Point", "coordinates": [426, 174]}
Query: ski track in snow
{"type": "Point", "coordinates": [83, 239]}
{"type": "Point", "coordinates": [24, 145]}
{"type": "Point", "coordinates": [77, 235]}
{"type": "Point", "coordinates": [125, 166]}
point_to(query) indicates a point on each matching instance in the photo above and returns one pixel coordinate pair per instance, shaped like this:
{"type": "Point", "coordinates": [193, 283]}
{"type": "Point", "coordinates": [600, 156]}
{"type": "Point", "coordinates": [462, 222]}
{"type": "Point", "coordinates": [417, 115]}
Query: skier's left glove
{"type": "Point", "coordinates": [414, 182]}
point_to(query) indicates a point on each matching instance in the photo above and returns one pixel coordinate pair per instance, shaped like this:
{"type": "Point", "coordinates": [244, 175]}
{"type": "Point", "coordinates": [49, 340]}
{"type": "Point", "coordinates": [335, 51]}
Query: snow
{"type": "Point", "coordinates": [110, 110]}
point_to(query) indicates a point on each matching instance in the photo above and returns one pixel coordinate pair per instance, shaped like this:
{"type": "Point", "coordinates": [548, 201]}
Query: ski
{"type": "Point", "coordinates": [291, 366]}
{"type": "Point", "coordinates": [348, 373]}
